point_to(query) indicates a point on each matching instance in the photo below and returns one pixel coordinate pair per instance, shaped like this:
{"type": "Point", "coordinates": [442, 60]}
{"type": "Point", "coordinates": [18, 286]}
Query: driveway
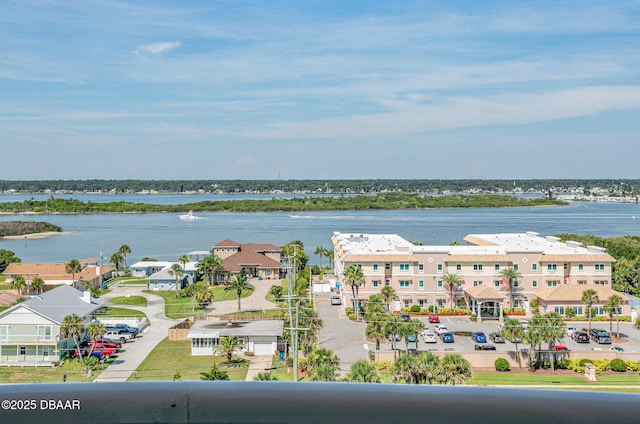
{"type": "Point", "coordinates": [345, 338]}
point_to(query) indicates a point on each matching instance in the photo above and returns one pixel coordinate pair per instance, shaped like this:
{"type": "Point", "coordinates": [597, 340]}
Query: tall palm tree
{"type": "Point", "coordinates": [184, 260]}
{"type": "Point", "coordinates": [124, 251]}
{"type": "Point", "coordinates": [209, 266]}
{"type": "Point", "coordinates": [392, 324]}
{"type": "Point", "coordinates": [72, 328]}
{"type": "Point", "coordinates": [177, 272]}
{"type": "Point", "coordinates": [73, 267]}
{"type": "Point", "coordinates": [239, 284]}
{"type": "Point", "coordinates": [227, 346]}
{"type": "Point", "coordinates": [454, 369]}
{"type": "Point", "coordinates": [589, 297]}
{"type": "Point", "coordinates": [320, 251]}
{"type": "Point", "coordinates": [322, 365]}
{"type": "Point", "coordinates": [37, 284]}
{"type": "Point", "coordinates": [453, 282]}
{"type": "Point", "coordinates": [612, 306]}
{"type": "Point", "coordinates": [426, 367]}
{"type": "Point", "coordinates": [116, 259]}
{"type": "Point", "coordinates": [363, 371]}
{"type": "Point", "coordinates": [94, 331]}
{"type": "Point", "coordinates": [408, 329]}
{"type": "Point", "coordinates": [354, 277]}
{"type": "Point", "coordinates": [552, 329]}
{"type": "Point", "coordinates": [265, 376]}
{"type": "Point", "coordinates": [510, 275]}
{"type": "Point", "coordinates": [330, 254]}
{"type": "Point", "coordinates": [403, 369]}
{"type": "Point", "coordinates": [513, 331]}
{"type": "Point", "coordinates": [18, 283]}
{"type": "Point", "coordinates": [388, 294]}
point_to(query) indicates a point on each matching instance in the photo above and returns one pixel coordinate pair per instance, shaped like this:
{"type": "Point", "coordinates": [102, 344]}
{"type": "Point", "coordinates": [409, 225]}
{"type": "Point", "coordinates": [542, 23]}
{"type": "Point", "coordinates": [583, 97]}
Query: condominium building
{"type": "Point", "coordinates": [418, 273]}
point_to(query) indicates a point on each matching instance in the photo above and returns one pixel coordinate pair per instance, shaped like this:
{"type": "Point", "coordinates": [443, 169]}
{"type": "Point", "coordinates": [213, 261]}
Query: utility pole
{"type": "Point", "coordinates": [291, 272]}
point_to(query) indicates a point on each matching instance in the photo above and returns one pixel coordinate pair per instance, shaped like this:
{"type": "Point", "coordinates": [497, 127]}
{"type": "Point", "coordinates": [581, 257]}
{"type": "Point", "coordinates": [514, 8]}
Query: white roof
{"type": "Point", "coordinates": [214, 329]}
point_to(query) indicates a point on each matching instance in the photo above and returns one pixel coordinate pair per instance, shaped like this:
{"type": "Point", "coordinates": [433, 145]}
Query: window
{"type": "Point", "coordinates": [552, 283]}
{"type": "Point", "coordinates": [407, 303]}
{"type": "Point", "coordinates": [552, 267]}
{"type": "Point", "coordinates": [458, 267]}
{"type": "Point", "coordinates": [477, 267]}
{"type": "Point", "coordinates": [422, 303]}
{"type": "Point", "coordinates": [534, 267]}
{"type": "Point", "coordinates": [404, 283]}
{"type": "Point", "coordinates": [516, 266]}
{"type": "Point", "coordinates": [598, 310]}
{"type": "Point", "coordinates": [582, 282]}
{"type": "Point", "coordinates": [375, 283]}
{"type": "Point", "coordinates": [387, 282]}
{"type": "Point", "coordinates": [534, 283]}
{"type": "Point", "coordinates": [4, 333]}
{"type": "Point", "coordinates": [44, 332]}
{"type": "Point", "coordinates": [516, 283]}
{"type": "Point", "coordinates": [387, 266]}
{"type": "Point", "coordinates": [601, 282]}
{"type": "Point", "coordinates": [23, 350]}
{"type": "Point", "coordinates": [477, 283]}
{"type": "Point", "coordinates": [359, 266]}
{"type": "Point", "coordinates": [516, 303]}
{"type": "Point", "coordinates": [496, 284]}
{"type": "Point", "coordinates": [439, 284]}
{"type": "Point", "coordinates": [578, 310]}
{"type": "Point", "coordinates": [496, 267]}
{"type": "Point", "coordinates": [566, 266]}
{"type": "Point", "coordinates": [558, 310]}
{"type": "Point", "coordinates": [375, 267]}
{"type": "Point", "coordinates": [420, 267]}
{"type": "Point", "coordinates": [440, 303]}
{"type": "Point", "coordinates": [599, 267]}
{"type": "Point", "coordinates": [421, 284]}
{"type": "Point", "coordinates": [404, 267]}
{"type": "Point", "coordinates": [439, 267]}
{"type": "Point", "coordinates": [580, 267]}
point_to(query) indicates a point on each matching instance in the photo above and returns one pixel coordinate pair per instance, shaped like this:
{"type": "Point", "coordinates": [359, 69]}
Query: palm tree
{"type": "Point", "coordinates": [94, 331]}
{"type": "Point", "coordinates": [73, 267]}
{"type": "Point", "coordinates": [454, 369]}
{"type": "Point", "coordinates": [37, 284]}
{"type": "Point", "coordinates": [330, 254]}
{"type": "Point", "coordinates": [513, 331]}
{"type": "Point", "coordinates": [408, 329]}
{"type": "Point", "coordinates": [183, 260]}
{"type": "Point", "coordinates": [551, 330]}
{"type": "Point", "coordinates": [354, 277]}
{"type": "Point", "coordinates": [177, 272]}
{"type": "Point", "coordinates": [215, 374]}
{"type": "Point", "coordinates": [612, 305]}
{"type": "Point", "coordinates": [589, 297]}
{"type": "Point", "coordinates": [265, 376]}
{"type": "Point", "coordinates": [426, 367]}
{"type": "Point", "coordinates": [362, 371]}
{"type": "Point", "coordinates": [453, 282]}
{"type": "Point", "coordinates": [392, 324]}
{"type": "Point", "coordinates": [227, 346]}
{"type": "Point", "coordinates": [403, 369]}
{"type": "Point", "coordinates": [124, 251]}
{"type": "Point", "coordinates": [387, 295]}
{"type": "Point", "coordinates": [18, 283]}
{"type": "Point", "coordinates": [239, 284]}
{"type": "Point", "coordinates": [209, 266]}
{"type": "Point", "coordinates": [510, 275]}
{"type": "Point", "coordinates": [72, 328]}
{"type": "Point", "coordinates": [116, 259]}
{"type": "Point", "coordinates": [320, 251]}
{"type": "Point", "coordinates": [322, 365]}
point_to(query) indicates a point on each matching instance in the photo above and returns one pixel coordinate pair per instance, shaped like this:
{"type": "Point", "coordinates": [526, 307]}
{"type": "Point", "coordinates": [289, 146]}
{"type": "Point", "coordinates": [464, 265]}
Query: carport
{"type": "Point", "coordinates": [483, 297]}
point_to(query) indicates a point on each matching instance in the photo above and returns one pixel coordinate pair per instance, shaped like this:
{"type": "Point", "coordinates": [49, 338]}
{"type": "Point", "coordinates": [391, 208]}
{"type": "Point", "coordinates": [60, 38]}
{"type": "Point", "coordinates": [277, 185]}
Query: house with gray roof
{"type": "Point", "coordinates": [30, 331]}
{"type": "Point", "coordinates": [258, 337]}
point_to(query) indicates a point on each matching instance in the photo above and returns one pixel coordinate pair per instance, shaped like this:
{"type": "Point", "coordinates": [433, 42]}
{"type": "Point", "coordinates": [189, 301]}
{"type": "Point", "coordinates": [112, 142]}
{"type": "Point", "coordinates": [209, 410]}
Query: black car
{"type": "Point", "coordinates": [580, 337]}
{"type": "Point", "coordinates": [484, 347]}
{"type": "Point", "coordinates": [405, 317]}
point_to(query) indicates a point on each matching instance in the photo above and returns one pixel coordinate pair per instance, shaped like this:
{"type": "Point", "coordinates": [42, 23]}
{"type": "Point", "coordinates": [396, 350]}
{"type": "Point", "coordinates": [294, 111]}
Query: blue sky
{"type": "Point", "coordinates": [319, 89]}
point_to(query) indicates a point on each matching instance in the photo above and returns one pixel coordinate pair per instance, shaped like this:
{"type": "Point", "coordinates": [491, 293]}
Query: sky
{"type": "Point", "coordinates": [326, 89]}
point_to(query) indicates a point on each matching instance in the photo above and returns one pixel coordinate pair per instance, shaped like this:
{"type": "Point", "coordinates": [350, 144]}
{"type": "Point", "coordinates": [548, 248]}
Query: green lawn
{"type": "Point", "coordinates": [111, 311]}
{"type": "Point", "coordinates": [506, 378]}
{"type": "Point", "coordinates": [72, 368]}
{"type": "Point", "coordinates": [169, 357]}
{"type": "Point", "coordinates": [265, 314]}
{"type": "Point", "coordinates": [176, 308]}
{"type": "Point", "coordinates": [280, 370]}
{"type": "Point", "coordinates": [130, 300]}
{"type": "Point", "coordinates": [220, 294]}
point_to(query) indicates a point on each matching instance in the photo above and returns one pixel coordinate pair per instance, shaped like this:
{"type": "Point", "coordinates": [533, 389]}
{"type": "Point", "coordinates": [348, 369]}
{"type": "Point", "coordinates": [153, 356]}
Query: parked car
{"type": "Point", "coordinates": [433, 318]}
{"type": "Point", "coordinates": [496, 337]}
{"type": "Point", "coordinates": [412, 339]}
{"type": "Point", "coordinates": [560, 347]}
{"type": "Point", "coordinates": [114, 344]}
{"type": "Point", "coordinates": [125, 327]}
{"type": "Point", "coordinates": [429, 337]}
{"type": "Point", "coordinates": [447, 337]}
{"type": "Point", "coordinates": [484, 347]}
{"type": "Point", "coordinates": [335, 300]}
{"type": "Point", "coordinates": [440, 328]}
{"type": "Point", "coordinates": [524, 323]}
{"type": "Point", "coordinates": [390, 337]}
{"type": "Point", "coordinates": [580, 337]}
{"type": "Point", "coordinates": [405, 317]}
{"type": "Point", "coordinates": [121, 335]}
{"type": "Point", "coordinates": [600, 336]}
{"type": "Point", "coordinates": [98, 352]}
{"type": "Point", "coordinates": [616, 348]}
{"type": "Point", "coordinates": [571, 330]}
{"type": "Point", "coordinates": [479, 337]}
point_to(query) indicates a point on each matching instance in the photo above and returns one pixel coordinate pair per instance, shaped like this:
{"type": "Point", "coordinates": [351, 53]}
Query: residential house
{"type": "Point", "coordinates": [165, 278]}
{"type": "Point", "coordinates": [30, 331]}
{"type": "Point", "coordinates": [258, 337]}
{"type": "Point", "coordinates": [559, 298]}
{"type": "Point", "coordinates": [255, 260]}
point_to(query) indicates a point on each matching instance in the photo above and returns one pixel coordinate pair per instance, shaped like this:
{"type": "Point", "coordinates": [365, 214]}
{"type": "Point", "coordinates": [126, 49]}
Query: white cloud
{"type": "Point", "coordinates": [159, 48]}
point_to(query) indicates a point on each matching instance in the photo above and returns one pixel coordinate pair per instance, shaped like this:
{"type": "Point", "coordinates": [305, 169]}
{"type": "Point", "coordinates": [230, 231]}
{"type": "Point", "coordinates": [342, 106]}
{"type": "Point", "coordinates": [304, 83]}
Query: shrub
{"type": "Point", "coordinates": [502, 365]}
{"type": "Point", "coordinates": [618, 365]}
{"type": "Point", "coordinates": [583, 361]}
{"type": "Point", "coordinates": [352, 317]}
{"type": "Point", "coordinates": [632, 366]}
{"type": "Point", "coordinates": [562, 364]}
{"type": "Point", "coordinates": [415, 308]}
{"type": "Point", "coordinates": [430, 308]}
{"type": "Point", "coordinates": [348, 310]}
{"type": "Point", "coordinates": [569, 312]}
{"type": "Point", "coordinates": [383, 365]}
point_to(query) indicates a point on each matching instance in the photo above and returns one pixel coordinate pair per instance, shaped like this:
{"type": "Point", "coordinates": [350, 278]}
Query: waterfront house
{"type": "Point", "coordinates": [260, 261]}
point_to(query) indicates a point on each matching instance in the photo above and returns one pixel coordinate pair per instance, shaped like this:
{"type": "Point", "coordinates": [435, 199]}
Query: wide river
{"type": "Point", "coordinates": [165, 237]}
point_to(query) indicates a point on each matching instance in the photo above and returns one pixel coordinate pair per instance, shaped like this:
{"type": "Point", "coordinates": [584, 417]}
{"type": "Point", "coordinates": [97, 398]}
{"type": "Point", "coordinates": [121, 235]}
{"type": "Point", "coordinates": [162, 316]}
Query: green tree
{"type": "Point", "coordinates": [589, 297]}
{"type": "Point", "coordinates": [295, 249]}
{"type": "Point", "coordinates": [215, 374]}
{"type": "Point", "coordinates": [209, 267]}
{"type": "Point", "coordinates": [7, 257]}
{"type": "Point", "coordinates": [124, 251]}
{"type": "Point", "coordinates": [512, 330]}
{"type": "Point", "coordinates": [177, 272]}
{"type": "Point", "coordinates": [73, 267]}
{"type": "Point", "coordinates": [239, 284]}
{"type": "Point", "coordinates": [388, 295]}
{"type": "Point", "coordinates": [310, 319]}
{"type": "Point", "coordinates": [409, 329]}
{"type": "Point", "coordinates": [426, 366]}
{"type": "Point", "coordinates": [612, 306]}
{"type": "Point", "coordinates": [116, 259]}
{"type": "Point", "coordinates": [510, 275]}
{"type": "Point", "coordinates": [227, 346]}
{"type": "Point", "coordinates": [551, 327]}
{"type": "Point", "coordinates": [265, 376]}
{"type": "Point", "coordinates": [354, 278]}
{"type": "Point", "coordinates": [453, 282]}
{"type": "Point", "coordinates": [37, 284]}
{"type": "Point", "coordinates": [362, 371]}
{"type": "Point", "coordinates": [404, 369]}
{"type": "Point", "coordinates": [320, 251]}
{"type": "Point", "coordinates": [322, 365]}
{"type": "Point", "coordinates": [184, 260]}
{"type": "Point", "coordinates": [392, 324]}
{"type": "Point", "coordinates": [18, 283]}
{"type": "Point", "coordinates": [72, 328]}
{"type": "Point", "coordinates": [453, 368]}
{"type": "Point", "coordinates": [94, 331]}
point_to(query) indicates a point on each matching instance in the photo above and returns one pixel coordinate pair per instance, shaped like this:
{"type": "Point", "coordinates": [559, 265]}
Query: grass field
{"type": "Point", "coordinates": [72, 368]}
{"type": "Point", "coordinates": [177, 308]}
{"type": "Point", "coordinates": [111, 311]}
{"type": "Point", "coordinates": [170, 357]}
{"type": "Point", "coordinates": [220, 294]}
{"type": "Point", "coordinates": [130, 300]}
{"type": "Point", "coordinates": [497, 379]}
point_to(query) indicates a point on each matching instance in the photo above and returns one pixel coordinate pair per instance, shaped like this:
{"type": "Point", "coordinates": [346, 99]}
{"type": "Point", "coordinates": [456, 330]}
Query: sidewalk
{"type": "Point", "coordinates": [257, 365]}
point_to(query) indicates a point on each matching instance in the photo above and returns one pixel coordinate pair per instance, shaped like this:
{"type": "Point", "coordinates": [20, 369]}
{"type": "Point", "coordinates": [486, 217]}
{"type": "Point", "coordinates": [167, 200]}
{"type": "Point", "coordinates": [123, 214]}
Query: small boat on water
{"type": "Point", "coordinates": [189, 216]}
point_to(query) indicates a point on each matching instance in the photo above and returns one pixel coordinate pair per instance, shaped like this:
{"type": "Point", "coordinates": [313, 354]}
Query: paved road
{"type": "Point", "coordinates": [345, 338]}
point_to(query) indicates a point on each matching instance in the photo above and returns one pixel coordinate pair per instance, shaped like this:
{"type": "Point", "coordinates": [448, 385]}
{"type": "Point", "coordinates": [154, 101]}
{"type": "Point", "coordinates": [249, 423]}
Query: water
{"type": "Point", "coordinates": [165, 237]}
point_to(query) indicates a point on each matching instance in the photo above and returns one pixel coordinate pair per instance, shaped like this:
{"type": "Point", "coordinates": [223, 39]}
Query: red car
{"type": "Point", "coordinates": [560, 347]}
{"type": "Point", "coordinates": [434, 318]}
{"type": "Point", "coordinates": [99, 352]}
{"type": "Point", "coordinates": [104, 342]}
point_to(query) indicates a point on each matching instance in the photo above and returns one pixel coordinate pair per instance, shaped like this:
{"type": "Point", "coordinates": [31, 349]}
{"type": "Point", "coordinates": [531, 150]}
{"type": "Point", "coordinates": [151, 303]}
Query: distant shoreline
{"type": "Point", "coordinates": [36, 235]}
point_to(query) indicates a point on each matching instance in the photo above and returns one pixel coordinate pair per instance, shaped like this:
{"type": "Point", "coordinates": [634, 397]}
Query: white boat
{"type": "Point", "coordinates": [189, 216]}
